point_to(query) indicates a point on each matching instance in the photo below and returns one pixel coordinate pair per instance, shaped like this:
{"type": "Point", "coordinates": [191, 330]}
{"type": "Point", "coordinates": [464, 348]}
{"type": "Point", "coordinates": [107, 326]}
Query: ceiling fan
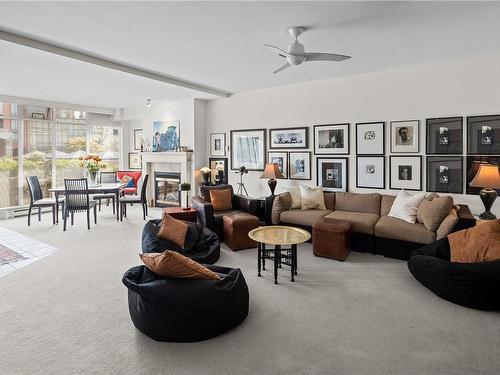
{"type": "Point", "coordinates": [296, 54]}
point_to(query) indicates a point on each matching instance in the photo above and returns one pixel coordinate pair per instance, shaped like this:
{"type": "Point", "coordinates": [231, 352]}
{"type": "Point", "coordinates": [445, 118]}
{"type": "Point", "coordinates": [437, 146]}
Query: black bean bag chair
{"type": "Point", "coordinates": [202, 244]}
{"type": "Point", "coordinates": [186, 310]}
{"type": "Point", "coordinates": [475, 285]}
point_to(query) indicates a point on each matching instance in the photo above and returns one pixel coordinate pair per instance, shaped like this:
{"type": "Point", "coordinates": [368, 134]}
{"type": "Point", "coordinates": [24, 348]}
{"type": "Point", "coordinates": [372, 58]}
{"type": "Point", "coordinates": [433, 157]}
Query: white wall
{"type": "Point", "coordinates": [461, 88]}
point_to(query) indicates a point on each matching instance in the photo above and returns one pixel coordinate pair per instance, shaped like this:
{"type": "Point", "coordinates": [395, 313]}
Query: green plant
{"type": "Point", "coordinates": [8, 163]}
{"type": "Point", "coordinates": [185, 186]}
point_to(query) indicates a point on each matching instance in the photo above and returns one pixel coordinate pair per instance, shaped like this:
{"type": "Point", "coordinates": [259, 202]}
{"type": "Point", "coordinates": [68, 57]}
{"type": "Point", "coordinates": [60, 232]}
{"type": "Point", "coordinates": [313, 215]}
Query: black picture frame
{"type": "Point", "coordinates": [444, 135]}
{"type": "Point", "coordinates": [264, 148]}
{"type": "Point", "coordinates": [482, 141]}
{"type": "Point", "coordinates": [372, 157]}
{"type": "Point", "coordinates": [211, 137]}
{"type": "Point", "coordinates": [391, 174]}
{"type": "Point", "coordinates": [285, 167]}
{"type": "Point", "coordinates": [345, 141]}
{"type": "Point", "coordinates": [380, 124]}
{"type": "Point", "coordinates": [319, 180]}
{"type": "Point", "coordinates": [290, 154]}
{"type": "Point", "coordinates": [449, 180]}
{"type": "Point", "coordinates": [212, 167]}
{"type": "Point", "coordinates": [472, 165]}
{"type": "Point", "coordinates": [289, 146]}
{"type": "Point", "coordinates": [405, 149]}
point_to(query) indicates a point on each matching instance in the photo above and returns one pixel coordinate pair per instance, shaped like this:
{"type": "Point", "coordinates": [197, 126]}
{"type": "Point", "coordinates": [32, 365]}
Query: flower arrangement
{"type": "Point", "coordinates": [92, 163]}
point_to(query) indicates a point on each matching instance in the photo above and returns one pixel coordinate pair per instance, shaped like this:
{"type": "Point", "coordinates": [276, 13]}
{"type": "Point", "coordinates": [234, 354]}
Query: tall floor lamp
{"type": "Point", "coordinates": [488, 178]}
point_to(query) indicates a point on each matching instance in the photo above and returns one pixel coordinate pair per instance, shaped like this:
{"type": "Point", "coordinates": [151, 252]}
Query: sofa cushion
{"type": "Point", "coordinates": [405, 206]}
{"type": "Point", "coordinates": [447, 225]}
{"type": "Point", "coordinates": [432, 211]}
{"type": "Point", "coordinates": [352, 202]}
{"type": "Point", "coordinates": [294, 192]}
{"type": "Point", "coordinates": [305, 218]}
{"type": "Point", "coordinates": [312, 198]}
{"type": "Point", "coordinates": [386, 204]}
{"type": "Point", "coordinates": [361, 222]}
{"type": "Point", "coordinates": [281, 203]}
{"type": "Point", "coordinates": [396, 229]}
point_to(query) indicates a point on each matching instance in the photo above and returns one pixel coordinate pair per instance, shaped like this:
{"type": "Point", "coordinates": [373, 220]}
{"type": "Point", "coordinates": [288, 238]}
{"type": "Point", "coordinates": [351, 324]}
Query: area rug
{"type": "Point", "coordinates": [9, 256]}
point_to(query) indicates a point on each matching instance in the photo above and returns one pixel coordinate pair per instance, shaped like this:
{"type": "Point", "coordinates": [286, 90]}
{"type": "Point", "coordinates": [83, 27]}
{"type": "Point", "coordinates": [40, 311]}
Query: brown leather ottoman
{"type": "Point", "coordinates": [236, 228]}
{"type": "Point", "coordinates": [331, 238]}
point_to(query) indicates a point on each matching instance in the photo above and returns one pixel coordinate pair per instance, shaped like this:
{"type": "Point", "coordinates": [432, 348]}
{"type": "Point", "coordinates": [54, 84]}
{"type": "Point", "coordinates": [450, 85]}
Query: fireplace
{"type": "Point", "coordinates": [166, 189]}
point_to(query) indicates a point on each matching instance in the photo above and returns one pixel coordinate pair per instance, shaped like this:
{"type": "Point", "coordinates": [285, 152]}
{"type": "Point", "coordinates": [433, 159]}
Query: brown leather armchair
{"type": "Point", "coordinates": [213, 219]}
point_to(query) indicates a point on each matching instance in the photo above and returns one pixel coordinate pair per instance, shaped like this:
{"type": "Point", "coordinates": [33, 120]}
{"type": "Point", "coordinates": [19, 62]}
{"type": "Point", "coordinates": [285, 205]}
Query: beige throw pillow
{"type": "Point", "coordinates": [175, 265]}
{"type": "Point", "coordinates": [432, 212]}
{"type": "Point", "coordinates": [312, 198]}
{"type": "Point", "coordinates": [405, 206]}
{"type": "Point", "coordinates": [295, 195]}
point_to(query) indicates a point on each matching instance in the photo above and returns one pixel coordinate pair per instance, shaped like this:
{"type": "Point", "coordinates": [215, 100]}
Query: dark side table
{"type": "Point", "coordinates": [179, 213]}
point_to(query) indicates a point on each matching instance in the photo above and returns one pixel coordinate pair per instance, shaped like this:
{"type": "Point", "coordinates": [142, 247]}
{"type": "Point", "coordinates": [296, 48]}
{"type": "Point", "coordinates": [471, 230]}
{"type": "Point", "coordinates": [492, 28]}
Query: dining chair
{"type": "Point", "coordinates": [106, 177]}
{"type": "Point", "coordinates": [38, 201]}
{"type": "Point", "coordinates": [76, 191]}
{"type": "Point", "coordinates": [131, 199]}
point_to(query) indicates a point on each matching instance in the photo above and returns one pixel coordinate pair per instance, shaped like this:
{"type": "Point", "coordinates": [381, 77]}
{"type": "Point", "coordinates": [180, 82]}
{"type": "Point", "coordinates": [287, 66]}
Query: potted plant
{"type": "Point", "coordinates": [186, 186]}
{"type": "Point", "coordinates": [92, 163]}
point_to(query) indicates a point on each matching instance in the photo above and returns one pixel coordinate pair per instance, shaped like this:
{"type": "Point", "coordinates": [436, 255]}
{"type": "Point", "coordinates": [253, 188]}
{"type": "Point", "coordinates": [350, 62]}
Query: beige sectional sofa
{"type": "Point", "coordinates": [372, 229]}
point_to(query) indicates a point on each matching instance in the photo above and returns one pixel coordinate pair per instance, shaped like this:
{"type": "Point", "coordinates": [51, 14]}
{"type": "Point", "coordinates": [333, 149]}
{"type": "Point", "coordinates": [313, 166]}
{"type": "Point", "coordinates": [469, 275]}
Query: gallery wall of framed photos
{"type": "Point", "coordinates": [435, 154]}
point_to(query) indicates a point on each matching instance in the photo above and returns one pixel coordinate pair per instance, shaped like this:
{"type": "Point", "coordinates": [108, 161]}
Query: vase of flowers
{"type": "Point", "coordinates": [92, 163]}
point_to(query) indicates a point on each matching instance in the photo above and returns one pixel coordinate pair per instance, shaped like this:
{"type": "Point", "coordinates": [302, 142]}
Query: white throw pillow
{"type": "Point", "coordinates": [312, 198]}
{"type": "Point", "coordinates": [405, 206]}
{"type": "Point", "coordinates": [295, 194]}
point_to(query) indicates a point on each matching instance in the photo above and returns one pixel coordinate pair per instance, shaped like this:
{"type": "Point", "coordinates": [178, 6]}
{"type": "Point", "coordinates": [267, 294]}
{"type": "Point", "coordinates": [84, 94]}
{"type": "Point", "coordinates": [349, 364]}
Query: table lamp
{"type": "Point", "coordinates": [206, 174]}
{"type": "Point", "coordinates": [272, 172]}
{"type": "Point", "coordinates": [488, 178]}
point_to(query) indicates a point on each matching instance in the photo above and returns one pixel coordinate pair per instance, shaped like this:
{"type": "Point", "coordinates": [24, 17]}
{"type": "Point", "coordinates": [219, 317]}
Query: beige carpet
{"type": "Point", "coordinates": [67, 314]}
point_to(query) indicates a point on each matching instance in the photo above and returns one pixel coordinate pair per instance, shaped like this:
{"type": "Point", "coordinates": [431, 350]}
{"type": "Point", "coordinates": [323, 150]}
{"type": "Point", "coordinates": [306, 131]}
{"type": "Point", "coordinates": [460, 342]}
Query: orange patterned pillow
{"type": "Point", "coordinates": [477, 244]}
{"type": "Point", "coordinates": [175, 265]}
{"type": "Point", "coordinates": [173, 230]}
{"type": "Point", "coordinates": [221, 199]}
{"type": "Point", "coordinates": [125, 179]}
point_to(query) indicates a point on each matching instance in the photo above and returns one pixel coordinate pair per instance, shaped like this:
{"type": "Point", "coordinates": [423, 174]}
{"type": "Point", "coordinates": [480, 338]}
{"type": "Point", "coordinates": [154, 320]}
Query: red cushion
{"type": "Point", "coordinates": [135, 174]}
{"type": "Point", "coordinates": [130, 191]}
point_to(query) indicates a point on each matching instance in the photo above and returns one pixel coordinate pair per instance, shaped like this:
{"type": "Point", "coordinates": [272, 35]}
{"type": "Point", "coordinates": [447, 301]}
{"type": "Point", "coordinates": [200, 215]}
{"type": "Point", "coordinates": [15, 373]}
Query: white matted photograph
{"type": "Point", "coordinates": [405, 172]}
{"type": "Point", "coordinates": [280, 158]}
{"type": "Point", "coordinates": [332, 173]}
{"type": "Point", "coordinates": [370, 172]}
{"type": "Point", "coordinates": [289, 138]}
{"type": "Point", "coordinates": [370, 138]}
{"type": "Point", "coordinates": [300, 165]}
{"type": "Point", "coordinates": [331, 139]}
{"type": "Point", "coordinates": [248, 148]}
{"type": "Point", "coordinates": [217, 144]}
{"type": "Point", "coordinates": [405, 136]}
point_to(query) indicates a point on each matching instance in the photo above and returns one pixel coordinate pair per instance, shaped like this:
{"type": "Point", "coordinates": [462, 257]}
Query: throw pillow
{"type": "Point", "coordinates": [173, 230]}
{"type": "Point", "coordinates": [295, 194]}
{"type": "Point", "coordinates": [282, 202]}
{"type": "Point", "coordinates": [405, 206]}
{"type": "Point", "coordinates": [432, 212]}
{"type": "Point", "coordinates": [477, 244]}
{"type": "Point", "coordinates": [447, 224]}
{"type": "Point", "coordinates": [130, 183]}
{"type": "Point", "coordinates": [175, 265]}
{"type": "Point", "coordinates": [221, 199]}
{"type": "Point", "coordinates": [125, 179]}
{"type": "Point", "coordinates": [312, 198]}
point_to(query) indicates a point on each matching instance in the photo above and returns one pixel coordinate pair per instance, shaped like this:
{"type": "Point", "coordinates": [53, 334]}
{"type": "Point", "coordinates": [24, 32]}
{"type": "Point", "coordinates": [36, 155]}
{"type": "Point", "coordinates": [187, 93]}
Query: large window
{"type": "Point", "coordinates": [48, 142]}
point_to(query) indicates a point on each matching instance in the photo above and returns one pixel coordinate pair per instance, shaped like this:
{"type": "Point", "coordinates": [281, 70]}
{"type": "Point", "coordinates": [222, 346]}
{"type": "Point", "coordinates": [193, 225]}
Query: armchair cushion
{"type": "Point", "coordinates": [205, 191]}
{"type": "Point", "coordinates": [221, 199]}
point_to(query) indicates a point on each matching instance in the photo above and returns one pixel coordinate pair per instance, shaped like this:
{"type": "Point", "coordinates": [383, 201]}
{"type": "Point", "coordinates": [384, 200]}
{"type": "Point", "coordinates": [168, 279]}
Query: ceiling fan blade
{"type": "Point", "coordinates": [313, 56]}
{"type": "Point", "coordinates": [282, 67]}
{"type": "Point", "coordinates": [277, 49]}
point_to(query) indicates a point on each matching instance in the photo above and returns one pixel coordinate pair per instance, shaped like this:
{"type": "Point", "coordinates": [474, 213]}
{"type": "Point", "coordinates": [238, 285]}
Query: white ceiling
{"type": "Point", "coordinates": [220, 44]}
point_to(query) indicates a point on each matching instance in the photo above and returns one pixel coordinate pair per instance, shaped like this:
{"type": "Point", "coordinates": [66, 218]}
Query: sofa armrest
{"type": "Point", "coordinates": [282, 203]}
{"type": "Point", "coordinates": [465, 218]}
{"type": "Point", "coordinates": [246, 204]}
{"type": "Point", "coordinates": [205, 211]}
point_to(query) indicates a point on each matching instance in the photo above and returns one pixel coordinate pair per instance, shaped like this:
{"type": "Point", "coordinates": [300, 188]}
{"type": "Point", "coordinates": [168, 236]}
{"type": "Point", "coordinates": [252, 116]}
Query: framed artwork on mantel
{"type": "Point", "coordinates": [217, 144]}
{"type": "Point", "coordinates": [248, 148]}
{"type": "Point", "coordinates": [166, 136]}
{"type": "Point", "coordinates": [138, 139]}
{"type": "Point", "coordinates": [289, 138]}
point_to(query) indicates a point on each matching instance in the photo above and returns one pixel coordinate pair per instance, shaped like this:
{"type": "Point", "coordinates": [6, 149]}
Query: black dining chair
{"type": "Point", "coordinates": [131, 199]}
{"type": "Point", "coordinates": [76, 191]}
{"type": "Point", "coordinates": [38, 201]}
{"type": "Point", "coordinates": [106, 177]}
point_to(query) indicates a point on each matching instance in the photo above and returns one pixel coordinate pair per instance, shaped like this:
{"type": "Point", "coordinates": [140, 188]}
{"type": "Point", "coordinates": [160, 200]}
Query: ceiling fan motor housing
{"type": "Point", "coordinates": [297, 53]}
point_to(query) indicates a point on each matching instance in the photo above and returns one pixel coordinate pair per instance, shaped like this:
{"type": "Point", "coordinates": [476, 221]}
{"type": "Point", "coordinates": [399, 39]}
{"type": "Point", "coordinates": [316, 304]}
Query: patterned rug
{"type": "Point", "coordinates": [8, 256]}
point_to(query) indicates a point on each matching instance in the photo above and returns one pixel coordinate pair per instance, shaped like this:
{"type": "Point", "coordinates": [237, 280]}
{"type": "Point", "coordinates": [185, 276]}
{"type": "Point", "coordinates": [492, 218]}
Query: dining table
{"type": "Point", "coordinates": [106, 187]}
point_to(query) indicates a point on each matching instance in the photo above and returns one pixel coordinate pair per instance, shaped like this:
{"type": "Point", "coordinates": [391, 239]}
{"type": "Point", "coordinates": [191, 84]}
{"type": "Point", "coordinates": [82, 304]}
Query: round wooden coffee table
{"type": "Point", "coordinates": [279, 236]}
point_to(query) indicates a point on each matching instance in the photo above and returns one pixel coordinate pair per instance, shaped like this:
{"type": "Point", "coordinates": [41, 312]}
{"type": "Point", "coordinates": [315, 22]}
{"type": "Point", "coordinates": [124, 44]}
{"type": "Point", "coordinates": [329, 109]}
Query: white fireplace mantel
{"type": "Point", "coordinates": [166, 162]}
